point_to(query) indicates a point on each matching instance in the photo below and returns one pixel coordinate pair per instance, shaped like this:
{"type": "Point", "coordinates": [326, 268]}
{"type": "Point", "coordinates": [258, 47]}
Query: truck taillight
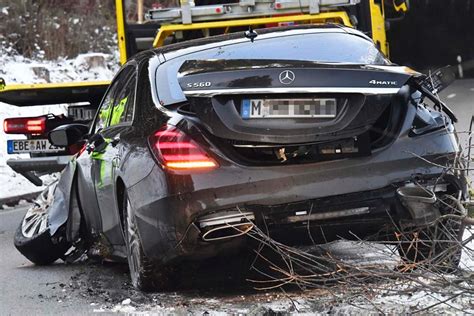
{"type": "Point", "coordinates": [177, 151]}
{"type": "Point", "coordinates": [25, 125]}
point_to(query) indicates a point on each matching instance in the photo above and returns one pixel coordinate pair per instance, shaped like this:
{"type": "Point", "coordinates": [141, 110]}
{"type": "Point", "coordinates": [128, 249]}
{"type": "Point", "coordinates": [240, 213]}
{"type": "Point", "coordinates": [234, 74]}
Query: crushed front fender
{"type": "Point", "coordinates": [59, 210]}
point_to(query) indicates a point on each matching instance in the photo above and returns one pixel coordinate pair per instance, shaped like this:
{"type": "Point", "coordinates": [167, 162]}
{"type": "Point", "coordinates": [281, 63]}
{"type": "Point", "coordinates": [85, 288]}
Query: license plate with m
{"type": "Point", "coordinates": [289, 108]}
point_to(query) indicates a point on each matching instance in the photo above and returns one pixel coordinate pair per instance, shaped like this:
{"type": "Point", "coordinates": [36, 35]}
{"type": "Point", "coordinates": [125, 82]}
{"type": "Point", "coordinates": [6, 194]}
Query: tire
{"type": "Point", "coordinates": [143, 272]}
{"type": "Point", "coordinates": [437, 247]}
{"type": "Point", "coordinates": [33, 239]}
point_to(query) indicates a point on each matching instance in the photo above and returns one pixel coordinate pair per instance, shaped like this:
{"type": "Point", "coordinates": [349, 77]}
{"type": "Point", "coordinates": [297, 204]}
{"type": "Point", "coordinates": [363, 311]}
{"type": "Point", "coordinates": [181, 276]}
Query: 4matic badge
{"type": "Point", "coordinates": [383, 82]}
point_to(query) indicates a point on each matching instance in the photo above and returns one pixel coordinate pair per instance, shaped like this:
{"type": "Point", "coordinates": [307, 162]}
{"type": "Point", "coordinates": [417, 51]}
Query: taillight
{"type": "Point", "coordinates": [25, 125]}
{"type": "Point", "coordinates": [177, 151]}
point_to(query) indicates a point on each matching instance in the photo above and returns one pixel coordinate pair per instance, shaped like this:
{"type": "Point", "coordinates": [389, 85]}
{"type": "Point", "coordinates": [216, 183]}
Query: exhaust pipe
{"type": "Point", "coordinates": [225, 225]}
{"type": "Point", "coordinates": [419, 202]}
{"type": "Point", "coordinates": [226, 231]}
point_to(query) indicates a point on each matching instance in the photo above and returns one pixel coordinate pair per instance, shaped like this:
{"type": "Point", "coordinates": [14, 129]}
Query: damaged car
{"type": "Point", "coordinates": [309, 133]}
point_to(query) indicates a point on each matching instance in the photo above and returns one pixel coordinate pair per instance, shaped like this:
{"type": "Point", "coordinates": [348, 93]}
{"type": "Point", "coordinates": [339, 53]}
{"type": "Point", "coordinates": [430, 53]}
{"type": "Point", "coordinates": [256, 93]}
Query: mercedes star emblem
{"type": "Point", "coordinates": [287, 77]}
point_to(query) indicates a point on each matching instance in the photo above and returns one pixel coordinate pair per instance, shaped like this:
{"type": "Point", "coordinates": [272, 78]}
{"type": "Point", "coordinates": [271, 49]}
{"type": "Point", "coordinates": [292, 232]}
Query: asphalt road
{"type": "Point", "coordinates": [89, 287]}
{"type": "Point", "coordinates": [24, 287]}
{"type": "Point", "coordinates": [460, 98]}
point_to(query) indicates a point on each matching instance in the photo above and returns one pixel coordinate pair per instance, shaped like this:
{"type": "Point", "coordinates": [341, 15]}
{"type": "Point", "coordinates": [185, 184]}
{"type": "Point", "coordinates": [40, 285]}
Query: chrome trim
{"type": "Point", "coordinates": [321, 116]}
{"type": "Point", "coordinates": [328, 215]}
{"type": "Point", "coordinates": [224, 218]}
{"type": "Point", "coordinates": [212, 92]}
{"type": "Point", "coordinates": [258, 146]}
{"type": "Point", "coordinates": [227, 231]}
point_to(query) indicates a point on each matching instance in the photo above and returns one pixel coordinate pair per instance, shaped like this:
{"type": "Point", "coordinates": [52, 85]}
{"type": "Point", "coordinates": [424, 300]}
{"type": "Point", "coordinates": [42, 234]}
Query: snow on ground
{"type": "Point", "coordinates": [16, 70]}
{"type": "Point", "coordinates": [467, 258]}
{"type": "Point", "coordinates": [426, 293]}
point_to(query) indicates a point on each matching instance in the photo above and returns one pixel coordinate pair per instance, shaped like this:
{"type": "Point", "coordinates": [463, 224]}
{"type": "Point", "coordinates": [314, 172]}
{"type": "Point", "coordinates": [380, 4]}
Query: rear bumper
{"type": "Point", "coordinates": [170, 228]}
{"type": "Point", "coordinates": [167, 206]}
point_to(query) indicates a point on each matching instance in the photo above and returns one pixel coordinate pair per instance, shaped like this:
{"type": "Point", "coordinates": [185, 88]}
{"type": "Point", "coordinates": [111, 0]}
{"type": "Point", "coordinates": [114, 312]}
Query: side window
{"type": "Point", "coordinates": [124, 102]}
{"type": "Point", "coordinates": [105, 109]}
{"type": "Point", "coordinates": [106, 113]}
{"type": "Point", "coordinates": [131, 105]}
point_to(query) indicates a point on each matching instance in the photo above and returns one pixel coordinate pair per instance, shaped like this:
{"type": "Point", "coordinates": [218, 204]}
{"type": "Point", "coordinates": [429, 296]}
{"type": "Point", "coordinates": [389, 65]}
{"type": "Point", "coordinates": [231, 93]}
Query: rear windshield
{"type": "Point", "coordinates": [328, 47]}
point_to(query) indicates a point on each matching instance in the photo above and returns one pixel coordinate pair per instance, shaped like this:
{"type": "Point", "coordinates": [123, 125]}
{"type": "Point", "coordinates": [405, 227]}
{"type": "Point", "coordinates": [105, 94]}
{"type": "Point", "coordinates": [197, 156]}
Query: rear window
{"type": "Point", "coordinates": [327, 47]}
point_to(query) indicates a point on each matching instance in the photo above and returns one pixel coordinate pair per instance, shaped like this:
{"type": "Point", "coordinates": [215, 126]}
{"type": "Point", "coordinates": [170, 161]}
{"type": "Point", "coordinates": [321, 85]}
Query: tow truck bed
{"type": "Point", "coordinates": [88, 94]}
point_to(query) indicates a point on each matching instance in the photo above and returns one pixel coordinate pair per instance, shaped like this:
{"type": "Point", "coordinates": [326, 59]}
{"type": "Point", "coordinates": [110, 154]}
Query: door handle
{"type": "Point", "coordinates": [116, 162]}
{"type": "Point", "coordinates": [95, 142]}
{"type": "Point", "coordinates": [115, 141]}
{"type": "Point", "coordinates": [89, 148]}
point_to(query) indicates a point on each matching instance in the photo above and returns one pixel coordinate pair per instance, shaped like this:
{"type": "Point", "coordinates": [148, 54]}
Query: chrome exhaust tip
{"type": "Point", "coordinates": [225, 225]}
{"type": "Point", "coordinates": [226, 231]}
{"type": "Point", "coordinates": [419, 201]}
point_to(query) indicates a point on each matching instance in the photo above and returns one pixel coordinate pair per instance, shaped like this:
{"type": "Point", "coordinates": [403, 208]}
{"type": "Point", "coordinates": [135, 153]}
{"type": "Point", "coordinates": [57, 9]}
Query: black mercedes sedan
{"type": "Point", "coordinates": [308, 133]}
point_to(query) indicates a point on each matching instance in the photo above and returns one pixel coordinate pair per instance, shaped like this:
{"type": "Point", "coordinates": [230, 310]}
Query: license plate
{"type": "Point", "coordinates": [81, 113]}
{"type": "Point", "coordinates": [288, 108]}
{"type": "Point", "coordinates": [20, 146]}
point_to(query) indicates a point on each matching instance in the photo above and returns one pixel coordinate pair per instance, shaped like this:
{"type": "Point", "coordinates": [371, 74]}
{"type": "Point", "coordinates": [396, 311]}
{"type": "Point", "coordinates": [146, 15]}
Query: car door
{"type": "Point", "coordinates": [94, 172]}
{"type": "Point", "coordinates": [107, 159]}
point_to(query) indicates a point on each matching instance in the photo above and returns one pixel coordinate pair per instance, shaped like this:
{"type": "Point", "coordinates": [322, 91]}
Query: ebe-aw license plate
{"type": "Point", "coordinates": [28, 146]}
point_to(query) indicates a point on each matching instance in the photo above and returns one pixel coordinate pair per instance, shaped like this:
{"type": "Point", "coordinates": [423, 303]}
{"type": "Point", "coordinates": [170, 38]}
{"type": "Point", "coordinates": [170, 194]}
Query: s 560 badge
{"type": "Point", "coordinates": [201, 84]}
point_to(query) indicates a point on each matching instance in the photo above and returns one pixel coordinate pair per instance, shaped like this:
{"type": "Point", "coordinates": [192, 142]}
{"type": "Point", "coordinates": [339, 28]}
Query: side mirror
{"type": "Point", "coordinates": [69, 134]}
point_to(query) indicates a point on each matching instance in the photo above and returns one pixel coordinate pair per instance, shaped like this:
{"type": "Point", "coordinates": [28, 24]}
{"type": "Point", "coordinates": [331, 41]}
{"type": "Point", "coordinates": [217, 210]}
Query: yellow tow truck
{"type": "Point", "coordinates": [162, 26]}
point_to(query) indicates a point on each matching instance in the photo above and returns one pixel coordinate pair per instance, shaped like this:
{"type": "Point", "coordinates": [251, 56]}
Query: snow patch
{"type": "Point", "coordinates": [85, 67]}
{"type": "Point", "coordinates": [467, 258]}
{"type": "Point", "coordinates": [93, 64]}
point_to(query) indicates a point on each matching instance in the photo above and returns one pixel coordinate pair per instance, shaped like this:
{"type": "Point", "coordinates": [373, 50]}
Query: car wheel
{"type": "Point", "coordinates": [437, 247]}
{"type": "Point", "coordinates": [33, 238]}
{"type": "Point", "coordinates": [142, 270]}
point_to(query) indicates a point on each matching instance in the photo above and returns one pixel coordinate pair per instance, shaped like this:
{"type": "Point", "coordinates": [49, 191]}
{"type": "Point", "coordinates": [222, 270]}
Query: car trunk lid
{"type": "Point", "coordinates": [345, 100]}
